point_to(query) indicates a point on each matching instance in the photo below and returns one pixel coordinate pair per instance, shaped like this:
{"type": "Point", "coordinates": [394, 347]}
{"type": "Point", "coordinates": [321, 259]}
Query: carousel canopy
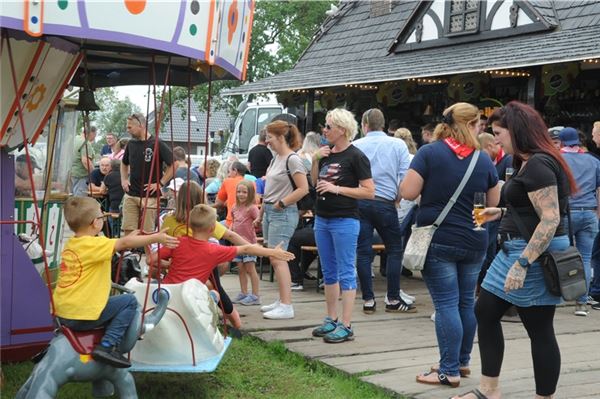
{"type": "Point", "coordinates": [124, 39]}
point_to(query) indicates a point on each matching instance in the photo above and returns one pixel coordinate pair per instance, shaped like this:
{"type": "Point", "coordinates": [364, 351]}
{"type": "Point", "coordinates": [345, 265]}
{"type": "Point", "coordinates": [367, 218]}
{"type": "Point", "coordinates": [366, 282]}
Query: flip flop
{"type": "Point", "coordinates": [442, 380]}
{"type": "Point", "coordinates": [464, 371]}
{"type": "Point", "coordinates": [476, 392]}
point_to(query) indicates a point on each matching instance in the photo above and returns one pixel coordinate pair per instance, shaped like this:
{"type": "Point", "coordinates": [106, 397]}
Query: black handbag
{"type": "Point", "coordinates": [563, 270]}
{"type": "Point", "coordinates": [306, 203]}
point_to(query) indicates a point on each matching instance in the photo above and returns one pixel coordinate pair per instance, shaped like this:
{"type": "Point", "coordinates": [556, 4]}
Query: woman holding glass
{"type": "Point", "coordinates": [458, 247]}
{"type": "Point", "coordinates": [537, 193]}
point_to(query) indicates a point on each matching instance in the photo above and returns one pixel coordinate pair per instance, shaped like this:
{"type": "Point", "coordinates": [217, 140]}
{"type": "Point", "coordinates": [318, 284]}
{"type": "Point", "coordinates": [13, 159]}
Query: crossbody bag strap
{"type": "Point", "coordinates": [459, 190]}
{"type": "Point", "coordinates": [287, 170]}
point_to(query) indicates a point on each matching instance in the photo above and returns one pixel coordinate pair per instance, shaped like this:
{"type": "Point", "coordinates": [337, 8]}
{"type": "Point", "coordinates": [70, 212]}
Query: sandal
{"type": "Point", "coordinates": [464, 371]}
{"type": "Point", "coordinates": [476, 392]}
{"type": "Point", "coordinates": [442, 379]}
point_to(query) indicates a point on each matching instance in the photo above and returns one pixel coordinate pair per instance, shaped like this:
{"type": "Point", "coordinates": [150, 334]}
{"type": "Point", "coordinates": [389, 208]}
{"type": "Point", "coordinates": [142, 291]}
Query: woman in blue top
{"type": "Point", "coordinates": [457, 251]}
{"type": "Point", "coordinates": [538, 193]}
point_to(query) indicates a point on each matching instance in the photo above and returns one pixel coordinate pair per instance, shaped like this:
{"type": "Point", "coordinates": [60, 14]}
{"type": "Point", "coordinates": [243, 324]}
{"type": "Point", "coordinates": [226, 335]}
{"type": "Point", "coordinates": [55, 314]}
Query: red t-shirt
{"type": "Point", "coordinates": [195, 259]}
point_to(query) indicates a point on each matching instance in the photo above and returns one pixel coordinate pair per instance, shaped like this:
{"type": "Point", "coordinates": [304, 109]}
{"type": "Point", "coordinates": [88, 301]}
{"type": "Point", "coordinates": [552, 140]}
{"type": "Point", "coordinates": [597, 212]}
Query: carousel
{"type": "Point", "coordinates": [46, 47]}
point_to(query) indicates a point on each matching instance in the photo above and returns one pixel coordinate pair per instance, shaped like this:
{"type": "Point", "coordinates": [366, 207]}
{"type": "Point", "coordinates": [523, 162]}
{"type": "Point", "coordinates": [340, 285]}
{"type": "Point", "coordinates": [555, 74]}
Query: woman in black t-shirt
{"type": "Point", "coordinates": [341, 174]}
{"type": "Point", "coordinates": [538, 192]}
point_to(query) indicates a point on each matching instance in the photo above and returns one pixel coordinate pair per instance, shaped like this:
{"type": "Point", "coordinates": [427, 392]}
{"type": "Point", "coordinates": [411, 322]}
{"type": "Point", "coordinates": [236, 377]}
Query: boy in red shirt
{"type": "Point", "coordinates": [195, 257]}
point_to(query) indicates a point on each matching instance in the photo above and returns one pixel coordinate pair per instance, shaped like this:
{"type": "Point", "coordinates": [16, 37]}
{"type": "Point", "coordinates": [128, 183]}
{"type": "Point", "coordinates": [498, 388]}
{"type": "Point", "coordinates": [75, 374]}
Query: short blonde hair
{"type": "Point", "coordinates": [212, 166]}
{"type": "Point", "coordinates": [457, 117]}
{"type": "Point", "coordinates": [345, 120]}
{"type": "Point", "coordinates": [80, 212]}
{"type": "Point", "coordinates": [202, 217]}
{"type": "Point", "coordinates": [405, 134]}
{"type": "Point", "coordinates": [597, 125]}
{"type": "Point", "coordinates": [485, 139]}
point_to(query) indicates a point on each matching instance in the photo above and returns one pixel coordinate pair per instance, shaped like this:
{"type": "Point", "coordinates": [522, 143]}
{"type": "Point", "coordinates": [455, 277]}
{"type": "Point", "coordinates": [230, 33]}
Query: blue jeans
{"type": "Point", "coordinates": [116, 318]}
{"type": "Point", "coordinates": [279, 225]}
{"type": "Point", "coordinates": [585, 230]}
{"type": "Point", "coordinates": [595, 263]}
{"type": "Point", "coordinates": [336, 241]}
{"type": "Point", "coordinates": [383, 217]}
{"type": "Point", "coordinates": [451, 276]}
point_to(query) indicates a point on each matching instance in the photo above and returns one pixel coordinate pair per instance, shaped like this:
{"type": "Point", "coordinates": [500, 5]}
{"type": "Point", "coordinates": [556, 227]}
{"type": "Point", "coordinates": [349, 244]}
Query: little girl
{"type": "Point", "coordinates": [244, 213]}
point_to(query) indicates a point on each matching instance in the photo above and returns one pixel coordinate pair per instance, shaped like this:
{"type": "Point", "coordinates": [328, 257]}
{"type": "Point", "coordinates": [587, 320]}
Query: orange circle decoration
{"type": "Point", "coordinates": [135, 6]}
{"type": "Point", "coordinates": [232, 20]}
{"type": "Point", "coordinates": [36, 97]}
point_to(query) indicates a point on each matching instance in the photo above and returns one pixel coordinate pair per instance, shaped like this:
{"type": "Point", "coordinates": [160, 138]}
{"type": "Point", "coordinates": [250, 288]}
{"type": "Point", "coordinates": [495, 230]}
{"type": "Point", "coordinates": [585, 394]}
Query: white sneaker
{"type": "Point", "coordinates": [409, 299]}
{"type": "Point", "coordinates": [268, 308]}
{"type": "Point", "coordinates": [282, 311]}
{"type": "Point", "coordinates": [297, 287]}
{"type": "Point", "coordinates": [581, 309]}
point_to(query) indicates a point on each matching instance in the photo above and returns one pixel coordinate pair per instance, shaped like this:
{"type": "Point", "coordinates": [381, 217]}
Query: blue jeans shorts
{"type": "Point", "coordinates": [279, 225]}
{"type": "Point", "coordinates": [245, 258]}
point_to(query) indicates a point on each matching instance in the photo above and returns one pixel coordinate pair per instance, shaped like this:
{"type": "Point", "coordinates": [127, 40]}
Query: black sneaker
{"type": "Point", "coordinates": [309, 276]}
{"type": "Point", "coordinates": [110, 356]}
{"type": "Point", "coordinates": [370, 306]}
{"type": "Point", "coordinates": [400, 306]}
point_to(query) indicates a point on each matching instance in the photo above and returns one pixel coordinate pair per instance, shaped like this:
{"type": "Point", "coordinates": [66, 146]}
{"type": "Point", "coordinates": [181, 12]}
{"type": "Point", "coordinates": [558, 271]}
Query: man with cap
{"type": "Point", "coordinates": [83, 162]}
{"type": "Point", "coordinates": [584, 204]}
{"type": "Point", "coordinates": [554, 133]}
{"type": "Point", "coordinates": [22, 183]}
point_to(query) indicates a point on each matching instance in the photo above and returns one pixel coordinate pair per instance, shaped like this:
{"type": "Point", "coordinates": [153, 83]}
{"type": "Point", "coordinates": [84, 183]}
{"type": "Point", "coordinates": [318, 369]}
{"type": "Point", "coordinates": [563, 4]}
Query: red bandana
{"type": "Point", "coordinates": [572, 149]}
{"type": "Point", "coordinates": [461, 150]}
{"type": "Point", "coordinates": [499, 156]}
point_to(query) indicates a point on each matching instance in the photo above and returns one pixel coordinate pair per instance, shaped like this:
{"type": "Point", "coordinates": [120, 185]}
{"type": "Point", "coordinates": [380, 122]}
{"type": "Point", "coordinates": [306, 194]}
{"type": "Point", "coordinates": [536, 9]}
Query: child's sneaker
{"type": "Point", "coordinates": [282, 311]}
{"type": "Point", "coordinates": [297, 287]}
{"type": "Point", "coordinates": [239, 297]}
{"type": "Point", "coordinates": [110, 356]}
{"type": "Point", "coordinates": [328, 326]}
{"type": "Point", "coordinates": [581, 309]}
{"type": "Point", "coordinates": [250, 300]}
{"type": "Point", "coordinates": [340, 334]}
{"type": "Point", "coordinates": [268, 308]}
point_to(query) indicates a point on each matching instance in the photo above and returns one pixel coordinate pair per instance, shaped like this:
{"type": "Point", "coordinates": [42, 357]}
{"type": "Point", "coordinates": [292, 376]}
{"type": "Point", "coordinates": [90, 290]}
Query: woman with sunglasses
{"type": "Point", "coordinates": [279, 213]}
{"type": "Point", "coordinates": [341, 174]}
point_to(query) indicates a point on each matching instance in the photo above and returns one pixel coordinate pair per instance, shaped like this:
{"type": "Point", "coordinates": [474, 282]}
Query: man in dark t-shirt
{"type": "Point", "coordinates": [259, 157]}
{"type": "Point", "coordinates": [139, 178]}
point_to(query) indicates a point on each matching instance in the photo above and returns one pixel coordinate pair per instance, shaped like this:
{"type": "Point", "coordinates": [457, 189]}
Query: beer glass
{"type": "Point", "coordinates": [478, 207]}
{"type": "Point", "coordinates": [508, 174]}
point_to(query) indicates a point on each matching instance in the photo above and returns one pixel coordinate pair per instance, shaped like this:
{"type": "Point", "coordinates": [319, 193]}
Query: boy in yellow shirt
{"type": "Point", "coordinates": [81, 297]}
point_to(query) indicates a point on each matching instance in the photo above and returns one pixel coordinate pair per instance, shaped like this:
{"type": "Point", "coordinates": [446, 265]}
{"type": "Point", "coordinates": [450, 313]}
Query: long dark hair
{"type": "Point", "coordinates": [529, 135]}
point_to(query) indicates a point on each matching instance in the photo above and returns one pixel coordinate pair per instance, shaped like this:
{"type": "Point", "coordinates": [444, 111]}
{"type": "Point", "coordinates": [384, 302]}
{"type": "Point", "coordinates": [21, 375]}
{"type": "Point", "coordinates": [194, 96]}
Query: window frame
{"type": "Point", "coordinates": [448, 16]}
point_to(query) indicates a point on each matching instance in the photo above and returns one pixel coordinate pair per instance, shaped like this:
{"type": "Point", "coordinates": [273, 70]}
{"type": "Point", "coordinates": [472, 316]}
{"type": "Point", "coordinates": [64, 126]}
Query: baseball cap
{"type": "Point", "coordinates": [569, 136]}
{"type": "Point", "coordinates": [23, 158]}
{"type": "Point", "coordinates": [554, 132]}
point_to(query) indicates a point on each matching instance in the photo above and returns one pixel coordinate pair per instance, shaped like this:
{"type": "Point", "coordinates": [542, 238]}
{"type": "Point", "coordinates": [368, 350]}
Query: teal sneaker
{"type": "Point", "coordinates": [340, 334]}
{"type": "Point", "coordinates": [328, 326]}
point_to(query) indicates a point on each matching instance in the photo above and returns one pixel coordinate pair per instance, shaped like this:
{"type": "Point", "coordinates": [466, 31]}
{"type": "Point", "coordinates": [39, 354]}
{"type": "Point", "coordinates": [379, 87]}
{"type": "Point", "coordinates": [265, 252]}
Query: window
{"type": "Point", "coordinates": [247, 130]}
{"type": "Point", "coordinates": [462, 17]}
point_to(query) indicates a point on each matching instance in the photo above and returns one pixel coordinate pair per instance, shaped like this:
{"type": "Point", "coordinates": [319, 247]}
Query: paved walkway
{"type": "Point", "coordinates": [390, 349]}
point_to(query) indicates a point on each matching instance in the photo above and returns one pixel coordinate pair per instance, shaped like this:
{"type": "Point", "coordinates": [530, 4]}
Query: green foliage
{"type": "Point", "coordinates": [250, 369]}
{"type": "Point", "coordinates": [112, 116]}
{"type": "Point", "coordinates": [281, 31]}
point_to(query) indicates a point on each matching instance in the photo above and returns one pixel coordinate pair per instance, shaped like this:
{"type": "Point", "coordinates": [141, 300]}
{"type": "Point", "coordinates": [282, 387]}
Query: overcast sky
{"type": "Point", "coordinates": [137, 94]}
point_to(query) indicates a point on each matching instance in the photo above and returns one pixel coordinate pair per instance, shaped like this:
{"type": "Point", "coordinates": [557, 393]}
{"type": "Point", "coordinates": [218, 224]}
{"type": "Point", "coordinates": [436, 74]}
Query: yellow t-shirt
{"type": "Point", "coordinates": [84, 281]}
{"type": "Point", "coordinates": [176, 229]}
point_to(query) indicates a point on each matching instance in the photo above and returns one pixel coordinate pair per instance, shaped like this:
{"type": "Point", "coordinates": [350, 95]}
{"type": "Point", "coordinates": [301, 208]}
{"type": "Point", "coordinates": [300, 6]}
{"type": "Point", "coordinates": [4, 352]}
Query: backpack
{"type": "Point", "coordinates": [306, 203]}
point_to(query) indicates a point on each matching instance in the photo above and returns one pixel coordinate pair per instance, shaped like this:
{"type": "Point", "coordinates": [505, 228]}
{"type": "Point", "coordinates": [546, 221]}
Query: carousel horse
{"type": "Point", "coordinates": [68, 358]}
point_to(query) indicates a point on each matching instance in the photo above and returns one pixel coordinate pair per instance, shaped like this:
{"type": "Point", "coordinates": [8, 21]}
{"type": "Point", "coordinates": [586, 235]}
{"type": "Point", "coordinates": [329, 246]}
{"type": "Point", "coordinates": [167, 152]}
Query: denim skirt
{"type": "Point", "coordinates": [534, 291]}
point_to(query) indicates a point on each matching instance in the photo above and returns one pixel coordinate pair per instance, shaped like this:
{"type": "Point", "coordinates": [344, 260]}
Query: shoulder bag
{"type": "Point", "coordinates": [563, 270]}
{"type": "Point", "coordinates": [306, 203]}
{"type": "Point", "coordinates": [418, 244]}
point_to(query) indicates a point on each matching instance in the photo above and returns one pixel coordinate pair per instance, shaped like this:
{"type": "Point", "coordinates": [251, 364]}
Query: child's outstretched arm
{"type": "Point", "coordinates": [257, 250]}
{"type": "Point", "coordinates": [135, 240]}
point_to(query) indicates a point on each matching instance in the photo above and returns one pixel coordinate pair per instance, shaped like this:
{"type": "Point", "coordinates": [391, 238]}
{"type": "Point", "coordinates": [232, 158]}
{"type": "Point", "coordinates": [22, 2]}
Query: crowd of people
{"type": "Point", "coordinates": [518, 170]}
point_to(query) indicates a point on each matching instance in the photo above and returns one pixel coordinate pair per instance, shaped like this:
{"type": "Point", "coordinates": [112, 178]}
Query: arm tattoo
{"type": "Point", "coordinates": [545, 203]}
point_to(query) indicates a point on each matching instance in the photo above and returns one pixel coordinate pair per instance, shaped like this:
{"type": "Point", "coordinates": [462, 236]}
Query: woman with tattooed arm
{"type": "Point", "coordinates": [538, 192]}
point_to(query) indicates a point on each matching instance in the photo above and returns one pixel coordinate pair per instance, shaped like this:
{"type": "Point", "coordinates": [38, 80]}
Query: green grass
{"type": "Point", "coordinates": [250, 369]}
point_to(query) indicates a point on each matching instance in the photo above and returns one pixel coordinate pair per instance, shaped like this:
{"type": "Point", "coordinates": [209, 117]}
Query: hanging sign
{"type": "Point", "coordinates": [556, 78]}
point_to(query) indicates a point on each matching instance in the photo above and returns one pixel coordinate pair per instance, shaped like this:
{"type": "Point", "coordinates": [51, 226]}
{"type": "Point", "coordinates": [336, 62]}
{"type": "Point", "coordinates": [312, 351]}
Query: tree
{"type": "Point", "coordinates": [281, 32]}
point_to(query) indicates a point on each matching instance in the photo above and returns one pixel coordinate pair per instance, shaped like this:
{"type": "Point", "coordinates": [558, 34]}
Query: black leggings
{"type": "Point", "coordinates": [538, 321]}
{"type": "Point", "coordinates": [225, 301]}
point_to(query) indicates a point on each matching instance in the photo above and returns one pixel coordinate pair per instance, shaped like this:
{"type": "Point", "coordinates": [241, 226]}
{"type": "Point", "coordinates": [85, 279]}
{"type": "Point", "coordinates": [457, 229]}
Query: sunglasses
{"type": "Point", "coordinates": [328, 126]}
{"type": "Point", "coordinates": [137, 118]}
